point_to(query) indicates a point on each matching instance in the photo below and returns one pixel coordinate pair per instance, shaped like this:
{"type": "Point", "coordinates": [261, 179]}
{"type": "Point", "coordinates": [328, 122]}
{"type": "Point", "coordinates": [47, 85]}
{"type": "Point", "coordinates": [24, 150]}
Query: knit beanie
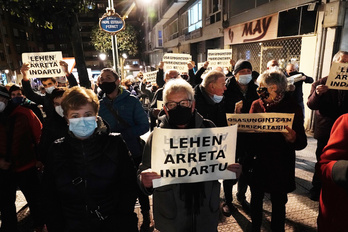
{"type": "Point", "coordinates": [3, 92]}
{"type": "Point", "coordinates": [242, 64]}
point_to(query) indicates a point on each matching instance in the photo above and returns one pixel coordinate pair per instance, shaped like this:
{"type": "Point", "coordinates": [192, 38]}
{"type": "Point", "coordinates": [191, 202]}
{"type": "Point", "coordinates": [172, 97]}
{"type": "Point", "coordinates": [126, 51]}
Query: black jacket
{"type": "Point", "coordinates": [233, 94]}
{"type": "Point", "coordinates": [82, 176]}
{"type": "Point", "coordinates": [215, 112]}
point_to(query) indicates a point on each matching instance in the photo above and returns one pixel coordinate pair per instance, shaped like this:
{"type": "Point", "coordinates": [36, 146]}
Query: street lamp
{"type": "Point", "coordinates": [124, 55]}
{"type": "Point", "coordinates": [102, 56]}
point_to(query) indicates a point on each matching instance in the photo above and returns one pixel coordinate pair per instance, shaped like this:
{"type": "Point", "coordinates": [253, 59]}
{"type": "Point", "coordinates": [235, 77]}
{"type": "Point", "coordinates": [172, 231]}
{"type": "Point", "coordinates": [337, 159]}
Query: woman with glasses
{"type": "Point", "coordinates": [271, 161]}
{"type": "Point", "coordinates": [182, 207]}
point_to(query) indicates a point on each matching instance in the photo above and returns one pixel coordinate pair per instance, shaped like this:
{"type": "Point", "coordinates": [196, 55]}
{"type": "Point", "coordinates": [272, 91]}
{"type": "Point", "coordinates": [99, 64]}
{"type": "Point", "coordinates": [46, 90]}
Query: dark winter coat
{"type": "Point", "coordinates": [233, 94]}
{"type": "Point", "coordinates": [270, 165]}
{"type": "Point", "coordinates": [82, 176]}
{"type": "Point", "coordinates": [328, 107]}
{"type": "Point", "coordinates": [215, 112]}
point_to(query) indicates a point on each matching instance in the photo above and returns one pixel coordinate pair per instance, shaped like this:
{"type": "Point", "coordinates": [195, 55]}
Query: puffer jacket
{"type": "Point", "coordinates": [85, 177]}
{"type": "Point", "coordinates": [169, 209]}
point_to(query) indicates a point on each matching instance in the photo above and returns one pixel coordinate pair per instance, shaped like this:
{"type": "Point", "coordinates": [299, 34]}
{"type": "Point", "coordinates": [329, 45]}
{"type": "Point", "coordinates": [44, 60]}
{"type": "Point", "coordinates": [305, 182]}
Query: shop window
{"type": "Point", "coordinates": [195, 16]}
{"type": "Point", "coordinates": [297, 21]}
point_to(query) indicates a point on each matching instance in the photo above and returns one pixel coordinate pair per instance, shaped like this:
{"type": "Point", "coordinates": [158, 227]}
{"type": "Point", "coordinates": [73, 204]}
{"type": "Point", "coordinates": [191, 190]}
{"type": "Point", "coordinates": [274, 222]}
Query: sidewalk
{"type": "Point", "coordinates": [301, 212]}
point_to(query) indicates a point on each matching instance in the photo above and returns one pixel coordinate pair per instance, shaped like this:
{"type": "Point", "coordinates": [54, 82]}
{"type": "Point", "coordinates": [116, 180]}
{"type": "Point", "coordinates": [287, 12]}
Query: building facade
{"type": "Point", "coordinates": [304, 32]}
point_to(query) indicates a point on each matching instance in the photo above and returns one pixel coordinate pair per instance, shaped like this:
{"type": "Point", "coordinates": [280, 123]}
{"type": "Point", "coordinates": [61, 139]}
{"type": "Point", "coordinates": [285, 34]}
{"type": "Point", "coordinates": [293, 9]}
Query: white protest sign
{"type": "Point", "coordinates": [338, 77]}
{"type": "Point", "coordinates": [219, 57]}
{"type": "Point", "coordinates": [159, 104]}
{"type": "Point", "coordinates": [43, 64]}
{"type": "Point", "coordinates": [176, 61]}
{"type": "Point", "coordinates": [193, 155]}
{"type": "Point", "coordinates": [261, 122]}
{"type": "Point", "coordinates": [150, 76]}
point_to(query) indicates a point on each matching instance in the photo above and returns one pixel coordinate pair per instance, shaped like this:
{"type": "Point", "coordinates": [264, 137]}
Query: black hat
{"type": "Point", "coordinates": [3, 92]}
{"type": "Point", "coordinates": [242, 64]}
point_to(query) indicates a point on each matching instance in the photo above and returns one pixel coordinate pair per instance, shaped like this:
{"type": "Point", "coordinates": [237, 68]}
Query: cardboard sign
{"type": "Point", "coordinates": [176, 61]}
{"type": "Point", "coordinates": [43, 64]}
{"type": "Point", "coordinates": [219, 58]}
{"type": "Point", "coordinates": [160, 104]}
{"type": "Point", "coordinates": [261, 122]}
{"type": "Point", "coordinates": [193, 155]}
{"type": "Point", "coordinates": [338, 77]}
{"type": "Point", "coordinates": [150, 76]}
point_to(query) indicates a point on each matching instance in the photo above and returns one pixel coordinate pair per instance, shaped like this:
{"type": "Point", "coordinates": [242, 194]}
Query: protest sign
{"type": "Point", "coordinates": [219, 57]}
{"type": "Point", "coordinates": [159, 104]}
{"type": "Point", "coordinates": [338, 77]}
{"type": "Point", "coordinates": [150, 76]}
{"type": "Point", "coordinates": [261, 122]}
{"type": "Point", "coordinates": [43, 64]}
{"type": "Point", "coordinates": [176, 61]}
{"type": "Point", "coordinates": [193, 155]}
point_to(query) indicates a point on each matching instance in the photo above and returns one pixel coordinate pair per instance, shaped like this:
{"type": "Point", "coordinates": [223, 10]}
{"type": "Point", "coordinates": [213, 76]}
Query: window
{"type": "Point", "coordinates": [195, 16]}
{"type": "Point", "coordinates": [184, 22]}
{"type": "Point", "coordinates": [171, 31]}
{"type": "Point", "coordinates": [214, 6]}
{"type": "Point", "coordinates": [160, 43]}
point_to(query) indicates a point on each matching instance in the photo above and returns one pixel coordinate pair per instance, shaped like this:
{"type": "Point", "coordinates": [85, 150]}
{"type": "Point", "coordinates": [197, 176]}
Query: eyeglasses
{"type": "Point", "coordinates": [184, 103]}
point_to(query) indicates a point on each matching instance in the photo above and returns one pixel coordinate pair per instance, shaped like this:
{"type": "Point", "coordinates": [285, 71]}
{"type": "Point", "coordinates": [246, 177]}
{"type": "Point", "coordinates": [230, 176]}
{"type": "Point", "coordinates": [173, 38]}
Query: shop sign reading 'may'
{"type": "Point", "coordinates": [252, 31]}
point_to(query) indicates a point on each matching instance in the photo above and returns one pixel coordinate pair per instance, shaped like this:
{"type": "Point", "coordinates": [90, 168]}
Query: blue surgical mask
{"type": "Point", "coordinates": [217, 98]}
{"type": "Point", "coordinates": [245, 79]}
{"type": "Point", "coordinates": [49, 90]}
{"type": "Point", "coordinates": [82, 127]}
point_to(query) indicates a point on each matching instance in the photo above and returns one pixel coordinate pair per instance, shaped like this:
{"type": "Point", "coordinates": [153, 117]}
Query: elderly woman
{"type": "Point", "coordinates": [182, 207]}
{"type": "Point", "coordinates": [89, 179]}
{"type": "Point", "coordinates": [271, 164]}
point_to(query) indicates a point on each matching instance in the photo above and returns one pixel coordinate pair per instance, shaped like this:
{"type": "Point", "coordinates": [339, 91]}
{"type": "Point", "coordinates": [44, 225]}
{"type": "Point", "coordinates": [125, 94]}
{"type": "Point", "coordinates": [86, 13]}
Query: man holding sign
{"type": "Point", "coordinates": [183, 206]}
{"type": "Point", "coordinates": [328, 104]}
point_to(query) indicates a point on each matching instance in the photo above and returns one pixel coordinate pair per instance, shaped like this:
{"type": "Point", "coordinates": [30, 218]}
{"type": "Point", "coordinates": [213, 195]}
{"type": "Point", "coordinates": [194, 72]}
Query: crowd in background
{"type": "Point", "coordinates": [77, 155]}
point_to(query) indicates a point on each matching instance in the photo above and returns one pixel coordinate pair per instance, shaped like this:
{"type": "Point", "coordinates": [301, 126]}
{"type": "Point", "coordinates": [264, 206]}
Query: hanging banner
{"type": "Point", "coordinates": [43, 64]}
{"type": "Point", "coordinates": [261, 122]}
{"type": "Point", "coordinates": [193, 155]}
{"type": "Point", "coordinates": [338, 77]}
{"type": "Point", "coordinates": [176, 61]}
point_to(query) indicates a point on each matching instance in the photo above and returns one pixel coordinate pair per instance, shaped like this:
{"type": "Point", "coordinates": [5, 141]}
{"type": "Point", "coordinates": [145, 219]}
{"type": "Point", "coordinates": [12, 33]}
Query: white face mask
{"type": "Point", "coordinates": [217, 98]}
{"type": "Point", "coordinates": [59, 111]}
{"type": "Point", "coordinates": [49, 90]}
{"type": "Point", "coordinates": [244, 79]}
{"type": "Point", "coordinates": [2, 106]}
{"type": "Point", "coordinates": [274, 68]}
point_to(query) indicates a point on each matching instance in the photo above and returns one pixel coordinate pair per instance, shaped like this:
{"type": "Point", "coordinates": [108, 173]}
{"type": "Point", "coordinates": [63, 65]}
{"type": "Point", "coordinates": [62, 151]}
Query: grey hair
{"type": "Point", "coordinates": [274, 78]}
{"type": "Point", "coordinates": [338, 55]}
{"type": "Point", "coordinates": [211, 77]}
{"type": "Point", "coordinates": [175, 86]}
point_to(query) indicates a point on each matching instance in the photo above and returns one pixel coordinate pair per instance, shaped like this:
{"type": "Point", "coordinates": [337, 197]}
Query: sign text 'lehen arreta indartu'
{"type": "Point", "coordinates": [193, 155]}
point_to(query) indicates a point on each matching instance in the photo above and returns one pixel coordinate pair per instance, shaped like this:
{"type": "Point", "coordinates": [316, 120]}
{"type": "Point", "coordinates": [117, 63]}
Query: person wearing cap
{"type": "Point", "coordinates": [239, 95]}
{"type": "Point", "coordinates": [17, 97]}
{"type": "Point", "coordinates": [20, 132]}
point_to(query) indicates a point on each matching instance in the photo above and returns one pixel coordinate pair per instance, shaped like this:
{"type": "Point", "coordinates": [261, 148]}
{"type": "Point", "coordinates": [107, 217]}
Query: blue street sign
{"type": "Point", "coordinates": [112, 24]}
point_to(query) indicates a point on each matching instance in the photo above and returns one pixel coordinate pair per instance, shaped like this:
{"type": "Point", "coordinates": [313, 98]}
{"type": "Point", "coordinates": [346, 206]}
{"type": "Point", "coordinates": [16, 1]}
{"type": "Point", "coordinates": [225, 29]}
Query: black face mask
{"type": "Point", "coordinates": [263, 93]}
{"type": "Point", "coordinates": [184, 76]}
{"type": "Point", "coordinates": [180, 115]}
{"type": "Point", "coordinates": [108, 87]}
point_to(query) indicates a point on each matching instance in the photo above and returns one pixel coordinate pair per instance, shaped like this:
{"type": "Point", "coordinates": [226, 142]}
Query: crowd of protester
{"type": "Point", "coordinates": [77, 155]}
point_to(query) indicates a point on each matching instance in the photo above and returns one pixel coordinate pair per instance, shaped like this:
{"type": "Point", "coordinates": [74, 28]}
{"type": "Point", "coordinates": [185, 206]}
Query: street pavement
{"type": "Point", "coordinates": [301, 212]}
